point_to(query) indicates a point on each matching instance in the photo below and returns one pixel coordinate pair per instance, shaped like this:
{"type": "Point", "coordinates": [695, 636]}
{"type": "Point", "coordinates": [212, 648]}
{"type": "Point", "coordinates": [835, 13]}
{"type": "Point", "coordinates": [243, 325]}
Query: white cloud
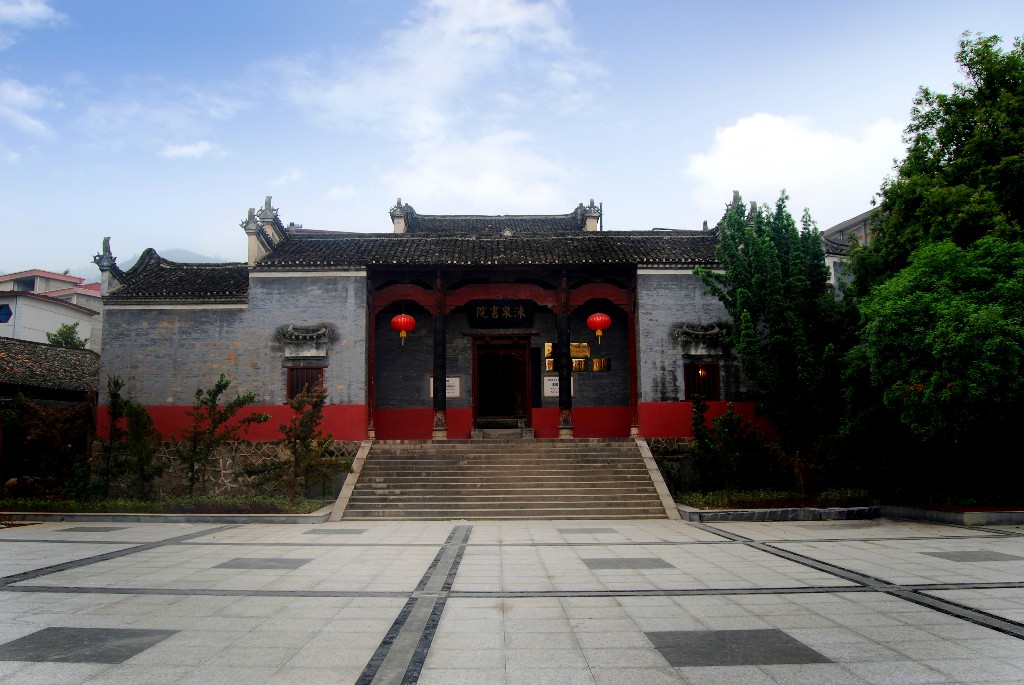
{"type": "Point", "coordinates": [338, 193]}
{"type": "Point", "coordinates": [833, 174]}
{"type": "Point", "coordinates": [19, 15]}
{"type": "Point", "coordinates": [12, 157]}
{"type": "Point", "coordinates": [289, 175]}
{"type": "Point", "coordinates": [155, 113]}
{"type": "Point", "coordinates": [196, 150]}
{"type": "Point", "coordinates": [19, 102]}
{"type": "Point", "coordinates": [450, 84]}
{"type": "Point", "coordinates": [495, 173]}
{"type": "Point", "coordinates": [418, 81]}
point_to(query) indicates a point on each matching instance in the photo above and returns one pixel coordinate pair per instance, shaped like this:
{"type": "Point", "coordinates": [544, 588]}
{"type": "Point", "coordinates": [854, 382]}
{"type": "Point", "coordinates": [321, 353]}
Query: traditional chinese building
{"type": "Point", "coordinates": [445, 325]}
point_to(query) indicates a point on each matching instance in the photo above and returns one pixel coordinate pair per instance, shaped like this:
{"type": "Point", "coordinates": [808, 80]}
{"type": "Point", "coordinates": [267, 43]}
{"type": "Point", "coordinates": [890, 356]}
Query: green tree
{"type": "Point", "coordinates": [111, 446]}
{"type": "Point", "coordinates": [942, 345]}
{"type": "Point", "coordinates": [311, 458]}
{"type": "Point", "coordinates": [963, 174]}
{"type": "Point", "coordinates": [142, 440]}
{"type": "Point", "coordinates": [789, 328]}
{"type": "Point", "coordinates": [66, 335]}
{"type": "Point", "coordinates": [935, 371]}
{"type": "Point", "coordinates": [213, 425]}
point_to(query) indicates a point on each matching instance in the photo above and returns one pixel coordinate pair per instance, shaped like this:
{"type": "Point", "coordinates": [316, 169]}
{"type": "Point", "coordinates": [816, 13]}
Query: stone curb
{"type": "Point", "coordinates": [319, 516]}
{"type": "Point", "coordinates": [957, 518]}
{"type": "Point", "coordinates": [783, 514]}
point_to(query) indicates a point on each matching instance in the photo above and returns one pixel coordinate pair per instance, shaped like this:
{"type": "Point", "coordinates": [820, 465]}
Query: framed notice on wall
{"type": "Point", "coordinates": [452, 387]}
{"type": "Point", "coordinates": [551, 386]}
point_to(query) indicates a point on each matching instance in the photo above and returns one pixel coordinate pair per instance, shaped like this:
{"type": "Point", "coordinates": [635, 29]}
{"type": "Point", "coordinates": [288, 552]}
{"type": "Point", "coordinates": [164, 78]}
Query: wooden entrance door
{"type": "Point", "coordinates": [501, 382]}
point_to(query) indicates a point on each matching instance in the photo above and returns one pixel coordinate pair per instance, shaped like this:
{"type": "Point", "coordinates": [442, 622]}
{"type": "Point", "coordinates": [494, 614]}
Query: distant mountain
{"type": "Point", "coordinates": [175, 254]}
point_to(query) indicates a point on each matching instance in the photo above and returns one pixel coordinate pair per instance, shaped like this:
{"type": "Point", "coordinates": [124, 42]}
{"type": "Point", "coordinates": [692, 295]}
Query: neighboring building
{"type": "Point", "coordinates": [838, 240]}
{"type": "Point", "coordinates": [45, 374]}
{"type": "Point", "coordinates": [500, 305]}
{"type": "Point", "coordinates": [34, 303]}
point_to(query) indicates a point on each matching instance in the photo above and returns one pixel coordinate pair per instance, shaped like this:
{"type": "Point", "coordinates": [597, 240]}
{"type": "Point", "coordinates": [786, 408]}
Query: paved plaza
{"type": "Point", "coordinates": [478, 602]}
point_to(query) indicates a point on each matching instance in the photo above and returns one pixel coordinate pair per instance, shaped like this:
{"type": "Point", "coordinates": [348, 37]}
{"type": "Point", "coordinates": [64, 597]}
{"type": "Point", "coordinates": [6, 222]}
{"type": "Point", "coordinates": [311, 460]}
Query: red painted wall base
{"type": "Point", "coordinates": [348, 421]}
{"type": "Point", "coordinates": [672, 419]}
{"type": "Point", "coordinates": [342, 421]}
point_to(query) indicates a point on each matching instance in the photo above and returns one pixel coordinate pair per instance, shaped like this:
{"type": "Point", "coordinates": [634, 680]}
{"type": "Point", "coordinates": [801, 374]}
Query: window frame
{"type": "Point", "coordinates": [307, 376]}
{"type": "Point", "coordinates": [708, 385]}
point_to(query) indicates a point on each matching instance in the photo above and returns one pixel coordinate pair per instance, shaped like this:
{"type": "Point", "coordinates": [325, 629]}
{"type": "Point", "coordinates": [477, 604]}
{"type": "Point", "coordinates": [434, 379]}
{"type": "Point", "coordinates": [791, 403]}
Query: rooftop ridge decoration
{"type": "Point", "coordinates": [155, 279]}
{"type": "Point", "coordinates": [265, 230]}
{"type": "Point", "coordinates": [107, 262]}
{"type": "Point", "coordinates": [582, 219]}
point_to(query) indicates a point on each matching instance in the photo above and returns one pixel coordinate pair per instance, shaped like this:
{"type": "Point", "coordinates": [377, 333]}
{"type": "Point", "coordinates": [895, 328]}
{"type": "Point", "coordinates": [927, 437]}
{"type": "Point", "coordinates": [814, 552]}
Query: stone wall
{"type": "Point", "coordinates": [665, 301]}
{"type": "Point", "coordinates": [225, 472]}
{"type": "Point", "coordinates": [164, 353]}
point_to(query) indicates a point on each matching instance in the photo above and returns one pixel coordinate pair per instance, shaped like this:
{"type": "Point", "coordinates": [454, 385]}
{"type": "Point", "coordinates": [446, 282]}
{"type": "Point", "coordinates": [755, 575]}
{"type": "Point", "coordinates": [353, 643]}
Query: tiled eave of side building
{"type": "Point", "coordinates": [647, 249]}
{"type": "Point", "coordinates": [26, 366]}
{"type": "Point", "coordinates": [155, 280]}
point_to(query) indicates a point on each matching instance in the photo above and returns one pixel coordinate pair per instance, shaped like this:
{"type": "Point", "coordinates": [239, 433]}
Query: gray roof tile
{"type": "Point", "coordinates": [37, 365]}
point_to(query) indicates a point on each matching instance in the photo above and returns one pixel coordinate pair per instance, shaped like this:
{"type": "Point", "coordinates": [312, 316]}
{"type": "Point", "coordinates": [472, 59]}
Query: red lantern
{"type": "Point", "coordinates": [598, 323]}
{"type": "Point", "coordinates": [403, 323]}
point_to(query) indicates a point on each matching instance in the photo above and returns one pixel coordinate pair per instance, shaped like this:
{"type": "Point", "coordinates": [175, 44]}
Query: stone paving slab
{"type": "Point", "coordinates": [855, 601]}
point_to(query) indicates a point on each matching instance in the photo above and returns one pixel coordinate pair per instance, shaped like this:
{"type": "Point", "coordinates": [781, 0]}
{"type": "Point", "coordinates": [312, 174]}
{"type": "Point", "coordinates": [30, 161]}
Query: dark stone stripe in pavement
{"type": "Point", "coordinates": [976, 616]}
{"type": "Point", "coordinates": [400, 656]}
{"type": "Point", "coordinates": [201, 592]}
{"type": "Point", "coordinates": [77, 563]}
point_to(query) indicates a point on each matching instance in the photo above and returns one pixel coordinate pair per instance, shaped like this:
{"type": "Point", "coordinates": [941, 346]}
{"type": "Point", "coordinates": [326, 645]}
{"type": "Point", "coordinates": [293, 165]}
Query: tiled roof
{"type": "Point", "coordinates": [41, 272]}
{"type": "Point", "coordinates": [835, 247]}
{"type": "Point", "coordinates": [37, 365]}
{"type": "Point", "coordinates": [448, 224]}
{"type": "Point", "coordinates": [47, 298]}
{"type": "Point", "coordinates": [675, 248]}
{"type": "Point", "coordinates": [154, 278]}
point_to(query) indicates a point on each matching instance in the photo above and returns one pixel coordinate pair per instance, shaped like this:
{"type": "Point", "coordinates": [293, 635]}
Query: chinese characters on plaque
{"type": "Point", "coordinates": [500, 313]}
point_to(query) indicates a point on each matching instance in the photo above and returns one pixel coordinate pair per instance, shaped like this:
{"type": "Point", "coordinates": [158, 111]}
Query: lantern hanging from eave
{"type": "Point", "coordinates": [599, 323]}
{"type": "Point", "coordinates": [403, 323]}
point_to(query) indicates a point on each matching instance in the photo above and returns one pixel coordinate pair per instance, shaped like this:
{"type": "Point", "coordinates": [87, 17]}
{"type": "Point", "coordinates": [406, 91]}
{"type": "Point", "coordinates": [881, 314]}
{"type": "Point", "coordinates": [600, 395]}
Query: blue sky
{"type": "Point", "coordinates": [159, 123]}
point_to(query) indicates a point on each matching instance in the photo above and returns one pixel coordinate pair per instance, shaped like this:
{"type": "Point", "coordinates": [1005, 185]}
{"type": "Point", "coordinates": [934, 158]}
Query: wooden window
{"type": "Point", "coordinates": [701, 379]}
{"type": "Point", "coordinates": [301, 377]}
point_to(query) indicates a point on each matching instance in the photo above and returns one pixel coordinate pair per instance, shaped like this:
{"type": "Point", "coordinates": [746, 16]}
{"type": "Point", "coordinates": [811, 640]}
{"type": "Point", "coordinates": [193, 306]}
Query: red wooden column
{"type": "Point", "coordinates": [634, 426]}
{"type": "Point", "coordinates": [440, 365]}
{"type": "Point", "coordinates": [371, 355]}
{"type": "Point", "coordinates": [562, 318]}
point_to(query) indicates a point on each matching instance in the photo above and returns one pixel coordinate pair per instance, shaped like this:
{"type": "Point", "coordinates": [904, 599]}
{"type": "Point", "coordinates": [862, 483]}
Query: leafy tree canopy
{"type": "Point", "coordinates": [66, 335]}
{"type": "Point", "coordinates": [943, 342]}
{"type": "Point", "coordinates": [963, 175]}
{"type": "Point", "coordinates": [787, 321]}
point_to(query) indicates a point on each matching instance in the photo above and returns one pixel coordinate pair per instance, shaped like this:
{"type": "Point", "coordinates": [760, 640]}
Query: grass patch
{"type": "Point", "coordinates": [200, 504]}
{"type": "Point", "coordinates": [773, 499]}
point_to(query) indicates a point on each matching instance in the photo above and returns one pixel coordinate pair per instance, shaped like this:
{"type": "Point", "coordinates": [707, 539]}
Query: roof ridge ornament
{"type": "Point", "coordinates": [399, 214]}
{"type": "Point", "coordinates": [111, 275]}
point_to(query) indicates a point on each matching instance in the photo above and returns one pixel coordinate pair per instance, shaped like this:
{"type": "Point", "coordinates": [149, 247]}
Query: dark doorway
{"type": "Point", "coordinates": [501, 382]}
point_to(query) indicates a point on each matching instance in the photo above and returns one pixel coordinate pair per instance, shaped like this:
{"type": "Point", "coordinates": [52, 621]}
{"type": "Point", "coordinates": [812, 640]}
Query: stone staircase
{"type": "Point", "coordinates": [507, 478]}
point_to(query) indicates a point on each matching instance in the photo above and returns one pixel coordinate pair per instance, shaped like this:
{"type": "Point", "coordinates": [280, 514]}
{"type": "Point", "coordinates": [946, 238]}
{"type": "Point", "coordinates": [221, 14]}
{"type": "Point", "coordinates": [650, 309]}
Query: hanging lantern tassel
{"type": "Point", "coordinates": [403, 323]}
{"type": "Point", "coordinates": [598, 323]}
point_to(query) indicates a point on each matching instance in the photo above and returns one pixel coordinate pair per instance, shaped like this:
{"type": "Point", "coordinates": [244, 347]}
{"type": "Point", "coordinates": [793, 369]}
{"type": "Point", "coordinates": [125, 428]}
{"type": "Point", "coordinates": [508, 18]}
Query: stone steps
{"type": "Point", "coordinates": [505, 479]}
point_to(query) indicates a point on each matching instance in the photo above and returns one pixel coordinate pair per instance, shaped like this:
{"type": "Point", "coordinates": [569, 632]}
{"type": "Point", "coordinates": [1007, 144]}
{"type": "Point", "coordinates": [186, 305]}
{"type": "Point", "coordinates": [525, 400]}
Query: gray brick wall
{"type": "Point", "coordinates": [664, 300]}
{"type": "Point", "coordinates": [164, 354]}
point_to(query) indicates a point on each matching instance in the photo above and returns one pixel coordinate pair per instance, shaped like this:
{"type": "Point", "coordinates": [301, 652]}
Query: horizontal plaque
{"type": "Point", "coordinates": [577, 350]}
{"type": "Point", "coordinates": [500, 313]}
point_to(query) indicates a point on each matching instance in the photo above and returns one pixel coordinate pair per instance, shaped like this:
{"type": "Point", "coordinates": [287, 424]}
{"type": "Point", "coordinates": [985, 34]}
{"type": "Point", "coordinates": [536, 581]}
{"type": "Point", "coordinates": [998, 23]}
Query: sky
{"type": "Point", "coordinates": [159, 123]}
